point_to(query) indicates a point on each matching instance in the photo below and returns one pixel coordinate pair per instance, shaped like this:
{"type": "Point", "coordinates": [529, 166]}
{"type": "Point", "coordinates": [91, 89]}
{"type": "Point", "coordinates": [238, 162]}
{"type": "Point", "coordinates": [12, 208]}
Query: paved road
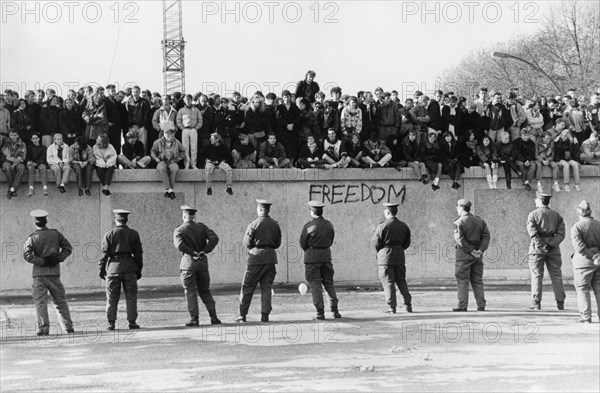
{"type": "Point", "coordinates": [503, 349]}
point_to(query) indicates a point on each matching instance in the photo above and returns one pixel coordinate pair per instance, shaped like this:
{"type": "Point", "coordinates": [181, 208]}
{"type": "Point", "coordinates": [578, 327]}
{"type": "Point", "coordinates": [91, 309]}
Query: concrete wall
{"type": "Point", "coordinates": [353, 198]}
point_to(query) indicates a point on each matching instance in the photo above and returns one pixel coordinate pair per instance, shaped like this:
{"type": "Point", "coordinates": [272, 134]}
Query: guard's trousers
{"type": "Point", "coordinates": [255, 274]}
{"type": "Point", "coordinates": [319, 276]}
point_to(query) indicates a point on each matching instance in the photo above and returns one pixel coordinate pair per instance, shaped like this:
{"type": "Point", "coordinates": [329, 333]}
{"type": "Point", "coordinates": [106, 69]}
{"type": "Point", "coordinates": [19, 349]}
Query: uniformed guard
{"type": "Point", "coordinates": [585, 236]}
{"type": "Point", "coordinates": [262, 238]}
{"type": "Point", "coordinates": [195, 240]}
{"type": "Point", "coordinates": [392, 238]}
{"type": "Point", "coordinates": [546, 229]}
{"type": "Point", "coordinates": [316, 239]}
{"type": "Point", "coordinates": [472, 239]}
{"type": "Point", "coordinates": [121, 264]}
{"type": "Point", "coordinates": [46, 249]}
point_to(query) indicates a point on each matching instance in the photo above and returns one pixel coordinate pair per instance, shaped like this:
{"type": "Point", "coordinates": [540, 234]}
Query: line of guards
{"type": "Point", "coordinates": [122, 261]}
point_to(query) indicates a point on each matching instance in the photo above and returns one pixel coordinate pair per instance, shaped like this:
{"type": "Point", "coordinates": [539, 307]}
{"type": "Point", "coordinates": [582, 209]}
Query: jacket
{"type": "Point", "coordinates": [545, 227]}
{"type": "Point", "coordinates": [135, 151]}
{"type": "Point", "coordinates": [308, 90]}
{"type": "Point", "coordinates": [49, 120]}
{"type": "Point", "coordinates": [262, 238]}
{"type": "Point", "coordinates": [52, 154]}
{"type": "Point", "coordinates": [121, 251]}
{"type": "Point", "coordinates": [391, 239]}
{"type": "Point", "coordinates": [316, 239]}
{"type": "Point", "coordinates": [523, 150]}
{"type": "Point", "coordinates": [14, 150]}
{"type": "Point", "coordinates": [189, 118]}
{"type": "Point", "coordinates": [585, 238]}
{"type": "Point", "coordinates": [37, 154]}
{"type": "Point", "coordinates": [161, 152]}
{"type": "Point", "coordinates": [544, 151]}
{"type": "Point", "coordinates": [44, 243]}
{"type": "Point", "coordinates": [138, 112]}
{"type": "Point", "coordinates": [470, 233]}
{"type": "Point", "coordinates": [566, 150]}
{"type": "Point", "coordinates": [266, 150]}
{"type": "Point", "coordinates": [192, 237]}
{"type": "Point", "coordinates": [351, 121]}
{"type": "Point", "coordinates": [105, 158]}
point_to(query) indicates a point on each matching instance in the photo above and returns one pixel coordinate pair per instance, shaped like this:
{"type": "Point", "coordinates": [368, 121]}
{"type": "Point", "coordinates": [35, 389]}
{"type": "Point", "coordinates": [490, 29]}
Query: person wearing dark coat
{"type": "Point", "coordinates": [288, 123]}
{"type": "Point", "coordinates": [316, 239]}
{"type": "Point", "coordinates": [523, 154]}
{"type": "Point", "coordinates": [70, 122]}
{"type": "Point", "coordinates": [121, 264]}
{"type": "Point", "coordinates": [195, 240]}
{"type": "Point", "coordinates": [472, 239]}
{"type": "Point", "coordinates": [391, 239]}
{"type": "Point", "coordinates": [308, 87]}
{"type": "Point", "coordinates": [450, 157]}
{"type": "Point", "coordinates": [262, 239]}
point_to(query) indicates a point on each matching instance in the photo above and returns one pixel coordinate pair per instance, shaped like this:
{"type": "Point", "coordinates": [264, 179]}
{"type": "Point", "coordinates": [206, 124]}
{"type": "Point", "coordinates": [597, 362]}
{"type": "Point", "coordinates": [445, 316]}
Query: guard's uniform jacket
{"type": "Point", "coordinates": [316, 239]}
{"type": "Point", "coordinates": [41, 244]}
{"type": "Point", "coordinates": [45, 243]}
{"type": "Point", "coordinates": [470, 233]}
{"type": "Point", "coordinates": [262, 238]}
{"type": "Point", "coordinates": [391, 238]}
{"type": "Point", "coordinates": [192, 237]}
{"type": "Point", "coordinates": [585, 236]}
{"type": "Point", "coordinates": [545, 226]}
{"type": "Point", "coordinates": [121, 251]}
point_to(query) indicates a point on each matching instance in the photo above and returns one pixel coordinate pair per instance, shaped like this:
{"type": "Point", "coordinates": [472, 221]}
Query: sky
{"type": "Point", "coordinates": [249, 46]}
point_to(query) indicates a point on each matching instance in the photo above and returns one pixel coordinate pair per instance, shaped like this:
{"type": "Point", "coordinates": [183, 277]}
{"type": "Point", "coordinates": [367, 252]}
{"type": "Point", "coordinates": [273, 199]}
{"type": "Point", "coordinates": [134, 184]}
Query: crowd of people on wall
{"type": "Point", "coordinates": [103, 129]}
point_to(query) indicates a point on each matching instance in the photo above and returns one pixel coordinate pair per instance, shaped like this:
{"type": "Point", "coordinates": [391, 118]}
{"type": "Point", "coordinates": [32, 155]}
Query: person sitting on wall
{"type": "Point", "coordinates": [243, 153]}
{"type": "Point", "coordinates": [216, 155]}
{"type": "Point", "coordinates": [272, 154]}
{"type": "Point", "coordinates": [133, 152]}
{"type": "Point", "coordinates": [167, 152]}
{"type": "Point", "coordinates": [106, 161]}
{"type": "Point", "coordinates": [377, 153]}
{"type": "Point", "coordinates": [334, 151]}
{"type": "Point", "coordinates": [310, 155]}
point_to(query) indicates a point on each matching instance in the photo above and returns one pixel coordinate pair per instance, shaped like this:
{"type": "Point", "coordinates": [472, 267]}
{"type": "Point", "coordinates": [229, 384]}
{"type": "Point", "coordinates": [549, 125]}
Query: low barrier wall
{"type": "Point", "coordinates": [353, 198]}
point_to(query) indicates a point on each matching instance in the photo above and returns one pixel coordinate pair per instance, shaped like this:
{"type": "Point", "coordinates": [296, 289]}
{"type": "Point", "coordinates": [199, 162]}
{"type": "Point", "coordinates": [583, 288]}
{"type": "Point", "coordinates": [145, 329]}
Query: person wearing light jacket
{"type": "Point", "coordinates": [58, 158]}
{"type": "Point", "coordinates": [106, 159]}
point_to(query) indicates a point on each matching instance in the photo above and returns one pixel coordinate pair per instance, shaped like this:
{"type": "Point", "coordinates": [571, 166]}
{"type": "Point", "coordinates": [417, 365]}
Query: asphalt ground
{"type": "Point", "coordinates": [505, 348]}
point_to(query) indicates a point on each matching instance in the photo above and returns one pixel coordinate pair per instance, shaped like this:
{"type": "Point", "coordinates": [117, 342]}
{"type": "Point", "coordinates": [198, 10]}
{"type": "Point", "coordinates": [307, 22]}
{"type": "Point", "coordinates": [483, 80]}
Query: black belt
{"type": "Point", "coordinates": [263, 247]}
{"type": "Point", "coordinates": [318, 248]}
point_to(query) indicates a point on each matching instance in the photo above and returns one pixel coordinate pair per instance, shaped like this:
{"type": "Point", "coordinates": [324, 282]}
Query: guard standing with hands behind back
{"type": "Point", "coordinates": [121, 264]}
{"type": "Point", "coordinates": [46, 249]}
{"type": "Point", "coordinates": [546, 229]}
{"type": "Point", "coordinates": [316, 239]}
{"type": "Point", "coordinates": [195, 240]}
{"type": "Point", "coordinates": [472, 239]}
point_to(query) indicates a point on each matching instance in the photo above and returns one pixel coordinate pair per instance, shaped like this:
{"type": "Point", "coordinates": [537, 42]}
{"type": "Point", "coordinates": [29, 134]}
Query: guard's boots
{"type": "Point", "coordinates": [408, 307]}
{"type": "Point", "coordinates": [390, 310]}
{"type": "Point", "coordinates": [194, 321]}
{"type": "Point", "coordinates": [320, 314]}
{"type": "Point", "coordinates": [264, 317]}
{"type": "Point", "coordinates": [111, 325]}
{"type": "Point", "coordinates": [213, 317]}
{"type": "Point", "coordinates": [560, 305]}
{"type": "Point", "coordinates": [133, 325]}
{"type": "Point", "coordinates": [535, 305]}
{"type": "Point", "coordinates": [336, 313]}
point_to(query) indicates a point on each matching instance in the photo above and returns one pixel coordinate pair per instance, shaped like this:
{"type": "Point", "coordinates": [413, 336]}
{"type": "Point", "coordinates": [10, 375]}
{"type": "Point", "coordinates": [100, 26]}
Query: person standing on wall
{"type": "Point", "coordinates": [316, 239]}
{"type": "Point", "coordinates": [472, 239]}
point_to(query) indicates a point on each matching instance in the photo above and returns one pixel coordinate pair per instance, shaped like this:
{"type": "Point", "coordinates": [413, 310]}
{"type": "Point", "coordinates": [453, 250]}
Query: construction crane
{"type": "Point", "coordinates": [173, 48]}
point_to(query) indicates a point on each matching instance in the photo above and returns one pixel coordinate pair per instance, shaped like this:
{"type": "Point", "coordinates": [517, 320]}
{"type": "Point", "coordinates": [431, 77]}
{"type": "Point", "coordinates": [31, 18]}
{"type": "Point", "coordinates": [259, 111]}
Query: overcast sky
{"type": "Point", "coordinates": [264, 45]}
